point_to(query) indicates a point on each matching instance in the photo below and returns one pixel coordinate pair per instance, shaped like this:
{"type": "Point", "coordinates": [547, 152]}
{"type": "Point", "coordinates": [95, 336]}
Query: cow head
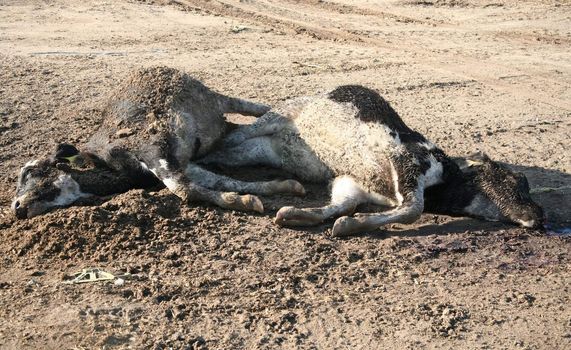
{"type": "Point", "coordinates": [499, 193]}
{"type": "Point", "coordinates": [46, 184]}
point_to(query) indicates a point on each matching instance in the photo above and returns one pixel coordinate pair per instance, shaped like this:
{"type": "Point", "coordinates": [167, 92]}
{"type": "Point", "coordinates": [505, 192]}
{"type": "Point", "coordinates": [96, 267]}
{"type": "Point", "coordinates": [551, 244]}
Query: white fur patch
{"type": "Point", "coordinates": [484, 208]}
{"type": "Point", "coordinates": [31, 163]}
{"type": "Point", "coordinates": [144, 166]}
{"type": "Point", "coordinates": [346, 189]}
{"type": "Point", "coordinates": [379, 135]}
{"type": "Point", "coordinates": [428, 145]}
{"type": "Point", "coordinates": [171, 184]}
{"type": "Point", "coordinates": [529, 223]}
{"type": "Point", "coordinates": [433, 175]}
{"type": "Point", "coordinates": [164, 164]}
{"type": "Point", "coordinates": [69, 191]}
{"type": "Point", "coordinates": [379, 199]}
{"type": "Point", "coordinates": [395, 177]}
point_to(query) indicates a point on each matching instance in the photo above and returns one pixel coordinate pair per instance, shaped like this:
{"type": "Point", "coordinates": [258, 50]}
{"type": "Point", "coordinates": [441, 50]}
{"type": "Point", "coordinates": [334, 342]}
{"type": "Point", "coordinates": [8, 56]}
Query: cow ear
{"type": "Point", "coordinates": [470, 163]}
{"type": "Point", "coordinates": [461, 162]}
{"type": "Point", "coordinates": [66, 152]}
{"type": "Point", "coordinates": [479, 157]}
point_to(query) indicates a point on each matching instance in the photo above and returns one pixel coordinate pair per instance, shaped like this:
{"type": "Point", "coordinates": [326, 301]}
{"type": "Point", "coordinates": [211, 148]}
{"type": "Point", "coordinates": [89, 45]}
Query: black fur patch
{"type": "Point", "coordinates": [168, 149]}
{"type": "Point", "coordinates": [48, 194]}
{"type": "Point", "coordinates": [374, 108]}
{"type": "Point", "coordinates": [450, 197]}
{"type": "Point", "coordinates": [126, 170]}
{"type": "Point", "coordinates": [65, 150]}
{"type": "Point", "coordinates": [422, 154]}
{"type": "Point", "coordinates": [455, 193]}
{"type": "Point", "coordinates": [408, 174]}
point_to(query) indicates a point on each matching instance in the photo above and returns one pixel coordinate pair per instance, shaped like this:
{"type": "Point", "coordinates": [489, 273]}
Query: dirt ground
{"type": "Point", "coordinates": [488, 75]}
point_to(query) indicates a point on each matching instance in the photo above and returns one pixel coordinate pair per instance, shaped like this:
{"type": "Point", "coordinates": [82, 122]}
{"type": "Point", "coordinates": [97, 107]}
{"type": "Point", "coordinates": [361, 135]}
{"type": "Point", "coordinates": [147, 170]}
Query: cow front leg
{"type": "Point", "coordinates": [188, 191]}
{"type": "Point", "coordinates": [408, 212]}
{"type": "Point", "coordinates": [346, 195]}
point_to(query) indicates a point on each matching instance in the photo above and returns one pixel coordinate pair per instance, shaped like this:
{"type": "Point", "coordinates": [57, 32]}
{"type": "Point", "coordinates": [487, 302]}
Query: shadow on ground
{"type": "Point", "coordinates": [552, 190]}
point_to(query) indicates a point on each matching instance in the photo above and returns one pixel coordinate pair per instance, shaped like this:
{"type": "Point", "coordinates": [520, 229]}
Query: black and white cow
{"type": "Point", "coordinates": [352, 138]}
{"type": "Point", "coordinates": [153, 125]}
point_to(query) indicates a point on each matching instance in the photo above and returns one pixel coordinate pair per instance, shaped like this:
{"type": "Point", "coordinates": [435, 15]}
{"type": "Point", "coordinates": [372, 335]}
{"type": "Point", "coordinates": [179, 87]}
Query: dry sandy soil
{"type": "Point", "coordinates": [490, 75]}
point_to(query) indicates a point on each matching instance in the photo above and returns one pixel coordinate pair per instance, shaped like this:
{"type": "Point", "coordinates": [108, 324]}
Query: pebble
{"type": "Point", "coordinates": [124, 133]}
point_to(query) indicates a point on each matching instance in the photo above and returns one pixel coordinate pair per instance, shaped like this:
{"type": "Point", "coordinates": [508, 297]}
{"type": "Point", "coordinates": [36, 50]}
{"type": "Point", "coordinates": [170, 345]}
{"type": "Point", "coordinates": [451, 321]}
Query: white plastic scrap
{"type": "Point", "coordinates": [91, 275]}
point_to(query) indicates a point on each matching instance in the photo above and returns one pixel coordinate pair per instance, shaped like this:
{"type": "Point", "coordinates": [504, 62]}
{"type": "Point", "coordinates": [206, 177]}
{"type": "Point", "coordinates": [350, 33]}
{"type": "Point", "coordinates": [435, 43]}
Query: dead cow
{"type": "Point", "coordinates": [154, 124]}
{"type": "Point", "coordinates": [353, 138]}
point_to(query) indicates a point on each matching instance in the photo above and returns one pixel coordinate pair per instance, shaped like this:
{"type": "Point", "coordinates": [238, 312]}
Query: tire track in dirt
{"type": "Point", "coordinates": [273, 21]}
{"type": "Point", "coordinates": [275, 16]}
{"type": "Point", "coordinates": [355, 10]}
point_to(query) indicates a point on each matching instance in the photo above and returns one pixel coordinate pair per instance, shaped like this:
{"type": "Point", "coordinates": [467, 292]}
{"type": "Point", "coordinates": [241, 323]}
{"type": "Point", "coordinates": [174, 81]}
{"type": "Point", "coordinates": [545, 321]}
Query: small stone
{"type": "Point", "coordinates": [457, 247]}
{"type": "Point", "coordinates": [124, 133]}
{"type": "Point", "coordinates": [354, 256]}
{"type": "Point", "coordinates": [238, 29]}
{"type": "Point", "coordinates": [32, 282]}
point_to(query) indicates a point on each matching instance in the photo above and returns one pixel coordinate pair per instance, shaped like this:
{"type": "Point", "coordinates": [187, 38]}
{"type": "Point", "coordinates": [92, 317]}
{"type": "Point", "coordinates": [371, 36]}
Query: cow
{"type": "Point", "coordinates": [153, 126]}
{"type": "Point", "coordinates": [352, 139]}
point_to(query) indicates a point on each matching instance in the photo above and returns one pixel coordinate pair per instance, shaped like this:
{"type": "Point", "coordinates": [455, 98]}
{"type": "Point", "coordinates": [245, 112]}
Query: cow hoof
{"type": "Point", "coordinates": [252, 203]}
{"type": "Point", "coordinates": [290, 186]}
{"type": "Point", "coordinates": [344, 226]}
{"type": "Point", "coordinates": [291, 216]}
{"type": "Point", "coordinates": [246, 202]}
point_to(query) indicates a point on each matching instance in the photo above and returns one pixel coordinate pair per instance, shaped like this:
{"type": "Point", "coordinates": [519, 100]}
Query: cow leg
{"type": "Point", "coordinates": [270, 123]}
{"type": "Point", "coordinates": [346, 195]}
{"type": "Point", "coordinates": [408, 212]}
{"type": "Point", "coordinates": [255, 151]}
{"type": "Point", "coordinates": [187, 190]}
{"type": "Point", "coordinates": [244, 107]}
{"type": "Point", "coordinates": [214, 181]}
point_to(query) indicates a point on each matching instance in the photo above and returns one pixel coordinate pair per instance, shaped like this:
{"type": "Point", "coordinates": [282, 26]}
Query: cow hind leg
{"type": "Point", "coordinates": [269, 124]}
{"type": "Point", "coordinates": [244, 107]}
{"type": "Point", "coordinates": [346, 195]}
{"type": "Point", "coordinates": [214, 181]}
